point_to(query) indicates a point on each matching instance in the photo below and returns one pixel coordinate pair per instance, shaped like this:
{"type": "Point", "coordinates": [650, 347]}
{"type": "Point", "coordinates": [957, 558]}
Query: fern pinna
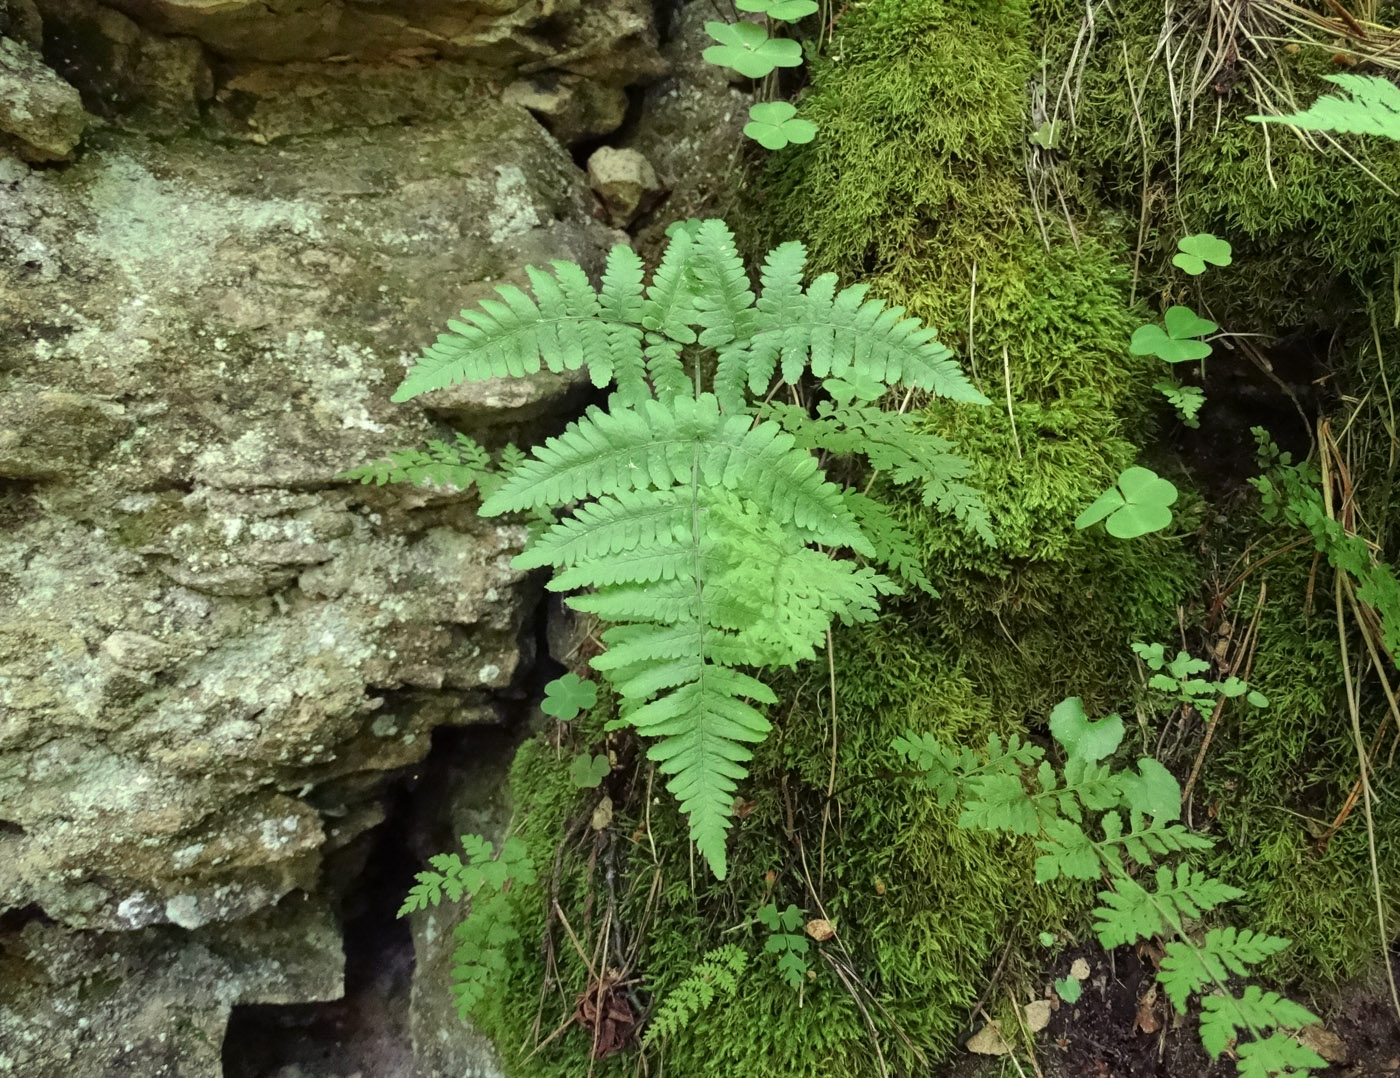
{"type": "Point", "coordinates": [696, 521]}
{"type": "Point", "coordinates": [1012, 787]}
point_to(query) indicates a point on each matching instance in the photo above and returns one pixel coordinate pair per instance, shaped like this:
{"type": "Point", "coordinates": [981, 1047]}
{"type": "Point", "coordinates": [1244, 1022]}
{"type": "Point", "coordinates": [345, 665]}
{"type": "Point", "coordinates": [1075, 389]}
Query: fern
{"type": "Point", "coordinates": [714, 976]}
{"type": "Point", "coordinates": [1373, 108]}
{"type": "Point", "coordinates": [702, 532]}
{"type": "Point", "coordinates": [459, 464]}
{"type": "Point", "coordinates": [482, 938]}
{"type": "Point", "coordinates": [1015, 789]}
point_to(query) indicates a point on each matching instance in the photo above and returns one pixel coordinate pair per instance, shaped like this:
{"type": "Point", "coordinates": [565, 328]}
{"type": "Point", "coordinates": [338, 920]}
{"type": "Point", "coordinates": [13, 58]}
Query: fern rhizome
{"type": "Point", "coordinates": [692, 513]}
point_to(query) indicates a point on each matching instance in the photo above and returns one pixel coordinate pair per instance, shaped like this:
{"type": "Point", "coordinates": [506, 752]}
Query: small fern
{"type": "Point", "coordinates": [1013, 788]}
{"type": "Point", "coordinates": [696, 523]}
{"type": "Point", "coordinates": [715, 976]}
{"type": "Point", "coordinates": [482, 938]}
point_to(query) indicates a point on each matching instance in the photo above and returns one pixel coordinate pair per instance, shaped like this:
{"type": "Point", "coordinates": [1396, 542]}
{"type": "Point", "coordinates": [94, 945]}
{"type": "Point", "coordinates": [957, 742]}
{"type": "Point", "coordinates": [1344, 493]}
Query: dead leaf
{"type": "Point", "coordinates": [1079, 970]}
{"type": "Point", "coordinates": [1037, 1015]}
{"type": "Point", "coordinates": [820, 930]}
{"type": "Point", "coordinates": [1326, 1044]}
{"type": "Point", "coordinates": [1146, 1019]}
{"type": "Point", "coordinates": [988, 1041]}
{"type": "Point", "coordinates": [602, 815]}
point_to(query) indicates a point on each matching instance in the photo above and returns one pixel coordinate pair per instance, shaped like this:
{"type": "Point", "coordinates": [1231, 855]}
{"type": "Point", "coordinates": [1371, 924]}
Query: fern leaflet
{"type": "Point", "coordinates": [714, 976]}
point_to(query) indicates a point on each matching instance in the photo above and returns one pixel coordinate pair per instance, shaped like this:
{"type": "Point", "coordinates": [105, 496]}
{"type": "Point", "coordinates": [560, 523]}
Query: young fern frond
{"type": "Point", "coordinates": [461, 463]}
{"type": "Point", "coordinates": [1188, 969]}
{"type": "Point", "coordinates": [714, 976]}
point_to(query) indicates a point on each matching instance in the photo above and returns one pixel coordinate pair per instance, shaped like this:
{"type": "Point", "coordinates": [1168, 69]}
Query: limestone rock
{"type": "Point", "coordinates": [625, 181]}
{"type": "Point", "coordinates": [574, 108]}
{"type": "Point", "coordinates": [615, 39]}
{"type": "Point", "coordinates": [48, 434]}
{"type": "Point", "coordinates": [690, 127]}
{"type": "Point", "coordinates": [154, 1002]}
{"type": "Point", "coordinates": [211, 648]}
{"type": "Point", "coordinates": [41, 116]}
{"type": "Point", "coordinates": [142, 79]}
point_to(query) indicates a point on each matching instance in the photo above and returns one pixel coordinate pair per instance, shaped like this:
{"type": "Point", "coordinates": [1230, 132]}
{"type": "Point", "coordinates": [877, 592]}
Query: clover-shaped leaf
{"type": "Point", "coordinates": [749, 50]}
{"type": "Point", "coordinates": [1081, 737]}
{"type": "Point", "coordinates": [782, 10]}
{"type": "Point", "coordinates": [587, 771]}
{"type": "Point", "coordinates": [1136, 505]}
{"type": "Point", "coordinates": [566, 696]}
{"type": "Point", "coordinates": [1183, 322]}
{"type": "Point", "coordinates": [1068, 989]}
{"type": "Point", "coordinates": [1175, 344]}
{"type": "Point", "coordinates": [1195, 251]}
{"type": "Point", "coordinates": [775, 124]}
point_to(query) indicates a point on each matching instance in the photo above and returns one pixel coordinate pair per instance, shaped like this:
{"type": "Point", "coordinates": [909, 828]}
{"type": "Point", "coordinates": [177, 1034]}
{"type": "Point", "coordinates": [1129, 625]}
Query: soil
{"type": "Point", "coordinates": [1121, 1028]}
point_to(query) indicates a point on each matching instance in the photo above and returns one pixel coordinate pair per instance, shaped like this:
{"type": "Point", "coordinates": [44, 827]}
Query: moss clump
{"type": "Point", "coordinates": [916, 178]}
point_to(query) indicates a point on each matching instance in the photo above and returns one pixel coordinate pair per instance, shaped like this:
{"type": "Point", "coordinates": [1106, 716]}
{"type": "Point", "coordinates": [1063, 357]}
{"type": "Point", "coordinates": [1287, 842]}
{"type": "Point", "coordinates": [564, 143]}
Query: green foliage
{"type": "Point", "coordinates": [786, 941]}
{"type": "Point", "coordinates": [1290, 494]}
{"type": "Point", "coordinates": [459, 464]}
{"type": "Point", "coordinates": [1193, 252]}
{"type": "Point", "coordinates": [749, 50]}
{"type": "Point", "coordinates": [458, 880]}
{"type": "Point", "coordinates": [1373, 108]}
{"type": "Point", "coordinates": [775, 124]}
{"type": "Point", "coordinates": [1068, 989]}
{"type": "Point", "coordinates": [1178, 677]}
{"type": "Point", "coordinates": [1177, 343]}
{"type": "Point", "coordinates": [715, 976]}
{"type": "Point", "coordinates": [587, 772]}
{"type": "Point", "coordinates": [567, 695]}
{"type": "Point", "coordinates": [699, 529]}
{"type": "Point", "coordinates": [1138, 504]}
{"type": "Point", "coordinates": [782, 10]}
{"type": "Point", "coordinates": [1187, 400]}
{"type": "Point", "coordinates": [482, 939]}
{"type": "Point", "coordinates": [1137, 814]}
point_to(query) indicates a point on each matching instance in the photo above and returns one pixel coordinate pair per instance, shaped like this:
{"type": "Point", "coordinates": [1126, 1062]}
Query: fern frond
{"type": "Point", "coordinates": [459, 464]}
{"type": "Point", "coordinates": [621, 303]}
{"type": "Point", "coordinates": [1274, 1055]}
{"type": "Point", "coordinates": [1131, 913]}
{"type": "Point", "coordinates": [657, 444]}
{"type": "Point", "coordinates": [613, 524]}
{"type": "Point", "coordinates": [670, 299]}
{"type": "Point", "coordinates": [714, 976]}
{"type": "Point", "coordinates": [1189, 967]}
{"type": "Point", "coordinates": [702, 729]}
{"type": "Point", "coordinates": [724, 308]}
{"type": "Point", "coordinates": [782, 308]}
{"type": "Point", "coordinates": [1224, 1016]}
{"type": "Point", "coordinates": [894, 545]}
{"type": "Point", "coordinates": [513, 336]}
{"type": "Point", "coordinates": [839, 334]}
{"type": "Point", "coordinates": [666, 370]}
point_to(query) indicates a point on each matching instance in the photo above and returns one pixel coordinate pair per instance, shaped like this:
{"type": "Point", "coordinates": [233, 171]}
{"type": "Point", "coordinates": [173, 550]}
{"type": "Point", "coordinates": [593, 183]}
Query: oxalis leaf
{"type": "Point", "coordinates": [749, 50]}
{"type": "Point", "coordinates": [1137, 505]}
{"type": "Point", "coordinates": [566, 696]}
{"type": "Point", "coordinates": [775, 124]}
{"type": "Point", "coordinates": [1195, 251]}
{"type": "Point", "coordinates": [782, 10]}
{"type": "Point", "coordinates": [1176, 344]}
{"type": "Point", "coordinates": [1081, 737]}
{"type": "Point", "coordinates": [587, 771]}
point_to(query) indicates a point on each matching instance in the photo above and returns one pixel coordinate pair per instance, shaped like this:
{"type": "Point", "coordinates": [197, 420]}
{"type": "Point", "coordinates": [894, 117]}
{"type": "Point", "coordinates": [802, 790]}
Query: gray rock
{"type": "Point", "coordinates": [625, 181]}
{"type": "Point", "coordinates": [125, 73]}
{"type": "Point", "coordinates": [154, 1002]}
{"type": "Point", "coordinates": [211, 649]}
{"type": "Point", "coordinates": [574, 108]}
{"type": "Point", "coordinates": [41, 116]}
{"type": "Point", "coordinates": [690, 127]}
